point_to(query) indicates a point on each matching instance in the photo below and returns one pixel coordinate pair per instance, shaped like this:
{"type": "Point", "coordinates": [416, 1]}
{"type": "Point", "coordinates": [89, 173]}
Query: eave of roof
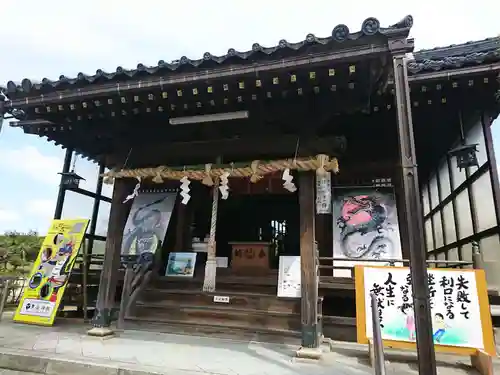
{"type": "Point", "coordinates": [341, 38]}
{"type": "Point", "coordinates": [456, 56]}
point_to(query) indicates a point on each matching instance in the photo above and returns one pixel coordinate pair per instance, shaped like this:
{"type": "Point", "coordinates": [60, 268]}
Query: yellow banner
{"type": "Point", "coordinates": [51, 271]}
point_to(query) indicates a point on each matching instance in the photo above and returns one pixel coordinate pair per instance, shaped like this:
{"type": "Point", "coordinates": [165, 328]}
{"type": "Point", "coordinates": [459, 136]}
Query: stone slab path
{"type": "Point", "coordinates": [66, 349]}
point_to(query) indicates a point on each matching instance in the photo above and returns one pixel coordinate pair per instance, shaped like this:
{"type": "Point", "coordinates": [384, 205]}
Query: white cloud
{"type": "Point", "coordinates": [40, 207]}
{"type": "Point", "coordinates": [166, 30]}
{"type": "Point", "coordinates": [9, 216]}
{"type": "Point", "coordinates": [116, 36]}
{"type": "Point", "coordinates": [29, 161]}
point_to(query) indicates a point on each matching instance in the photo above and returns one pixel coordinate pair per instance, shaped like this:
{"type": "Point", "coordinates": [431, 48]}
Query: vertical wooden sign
{"type": "Point", "coordinates": [324, 193]}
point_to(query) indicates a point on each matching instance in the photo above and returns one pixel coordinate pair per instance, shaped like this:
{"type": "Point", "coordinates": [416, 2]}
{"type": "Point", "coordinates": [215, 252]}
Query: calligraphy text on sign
{"type": "Point", "coordinates": [453, 296]}
{"type": "Point", "coordinates": [249, 256]}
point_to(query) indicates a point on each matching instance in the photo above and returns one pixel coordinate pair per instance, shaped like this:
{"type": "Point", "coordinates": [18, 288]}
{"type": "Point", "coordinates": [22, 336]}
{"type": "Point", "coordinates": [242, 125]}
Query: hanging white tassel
{"type": "Point", "coordinates": [135, 193]}
{"type": "Point", "coordinates": [288, 178]}
{"type": "Point", "coordinates": [185, 190]}
{"type": "Point", "coordinates": [224, 188]}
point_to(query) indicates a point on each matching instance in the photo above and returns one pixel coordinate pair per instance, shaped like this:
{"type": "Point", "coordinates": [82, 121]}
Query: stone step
{"type": "Point", "coordinates": [237, 285]}
{"type": "Point", "coordinates": [254, 301]}
{"type": "Point", "coordinates": [223, 330]}
{"type": "Point", "coordinates": [220, 315]}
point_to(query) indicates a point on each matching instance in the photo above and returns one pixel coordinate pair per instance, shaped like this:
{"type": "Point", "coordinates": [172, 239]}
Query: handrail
{"type": "Point", "coordinates": [393, 261]}
{"type": "Point", "coordinates": [475, 263]}
{"type": "Point", "coordinates": [4, 294]}
{"type": "Point", "coordinates": [378, 346]}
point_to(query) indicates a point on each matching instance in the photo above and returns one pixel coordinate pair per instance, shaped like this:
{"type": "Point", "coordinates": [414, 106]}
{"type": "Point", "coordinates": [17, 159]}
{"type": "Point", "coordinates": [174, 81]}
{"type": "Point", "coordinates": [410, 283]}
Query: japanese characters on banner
{"type": "Point", "coordinates": [457, 319]}
{"type": "Point", "coordinates": [289, 277]}
{"type": "Point", "coordinates": [324, 193]}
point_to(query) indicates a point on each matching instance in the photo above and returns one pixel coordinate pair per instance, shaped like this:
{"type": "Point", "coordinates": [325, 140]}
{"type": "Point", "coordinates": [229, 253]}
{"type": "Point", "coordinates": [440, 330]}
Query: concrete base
{"type": "Point", "coordinates": [43, 363]}
{"type": "Point", "coordinates": [309, 353]}
{"type": "Point", "coordinates": [101, 332]}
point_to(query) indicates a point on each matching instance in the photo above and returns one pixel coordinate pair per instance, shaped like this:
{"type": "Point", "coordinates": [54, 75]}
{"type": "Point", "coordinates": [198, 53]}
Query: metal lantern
{"type": "Point", "coordinates": [466, 156]}
{"type": "Point", "coordinates": [70, 180]}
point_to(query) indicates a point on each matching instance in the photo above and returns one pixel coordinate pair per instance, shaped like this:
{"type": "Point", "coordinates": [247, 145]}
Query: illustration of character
{"type": "Point", "coordinates": [439, 326]}
{"type": "Point", "coordinates": [361, 215]}
{"type": "Point", "coordinates": [54, 267]}
{"type": "Point", "coordinates": [143, 239]}
{"type": "Point", "coordinates": [409, 321]}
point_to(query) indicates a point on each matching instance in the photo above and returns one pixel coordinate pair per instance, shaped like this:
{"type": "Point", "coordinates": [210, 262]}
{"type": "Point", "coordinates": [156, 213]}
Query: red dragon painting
{"type": "Point", "coordinates": [363, 220]}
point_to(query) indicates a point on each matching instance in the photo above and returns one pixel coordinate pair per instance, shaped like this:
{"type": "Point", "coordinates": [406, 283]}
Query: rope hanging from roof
{"type": "Point", "coordinates": [208, 172]}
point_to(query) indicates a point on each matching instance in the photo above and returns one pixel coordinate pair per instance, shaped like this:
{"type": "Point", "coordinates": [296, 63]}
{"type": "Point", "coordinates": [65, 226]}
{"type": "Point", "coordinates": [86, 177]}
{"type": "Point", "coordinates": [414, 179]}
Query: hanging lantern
{"type": "Point", "coordinates": [466, 156]}
{"type": "Point", "coordinates": [70, 180]}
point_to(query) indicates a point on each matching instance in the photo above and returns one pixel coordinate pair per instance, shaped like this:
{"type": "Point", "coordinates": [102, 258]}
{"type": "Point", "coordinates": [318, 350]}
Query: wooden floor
{"type": "Point", "coordinates": [254, 312]}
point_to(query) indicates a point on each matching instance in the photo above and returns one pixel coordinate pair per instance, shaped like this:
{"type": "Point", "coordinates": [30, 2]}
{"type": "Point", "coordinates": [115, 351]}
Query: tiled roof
{"type": "Point", "coordinates": [456, 56]}
{"type": "Point", "coordinates": [341, 37]}
{"type": "Point", "coordinates": [430, 60]}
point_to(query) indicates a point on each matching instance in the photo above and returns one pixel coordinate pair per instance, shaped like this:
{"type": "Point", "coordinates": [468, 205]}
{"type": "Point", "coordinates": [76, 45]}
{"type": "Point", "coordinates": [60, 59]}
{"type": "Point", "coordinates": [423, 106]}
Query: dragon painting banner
{"type": "Point", "coordinates": [365, 227]}
{"type": "Point", "coordinates": [147, 223]}
{"type": "Point", "coordinates": [50, 274]}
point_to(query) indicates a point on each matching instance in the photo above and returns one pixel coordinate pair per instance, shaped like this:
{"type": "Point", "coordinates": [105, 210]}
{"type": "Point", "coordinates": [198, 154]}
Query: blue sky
{"type": "Point", "coordinates": [53, 37]}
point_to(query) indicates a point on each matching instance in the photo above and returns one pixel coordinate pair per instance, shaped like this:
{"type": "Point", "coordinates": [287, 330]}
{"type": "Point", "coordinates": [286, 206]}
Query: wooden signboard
{"type": "Point", "coordinates": [250, 255]}
{"type": "Point", "coordinates": [461, 320]}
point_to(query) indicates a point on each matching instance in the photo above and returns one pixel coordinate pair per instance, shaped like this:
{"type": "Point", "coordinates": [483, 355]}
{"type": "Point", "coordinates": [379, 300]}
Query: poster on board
{"type": "Point", "coordinates": [51, 271]}
{"type": "Point", "coordinates": [289, 277]}
{"type": "Point", "coordinates": [147, 223]}
{"type": "Point", "coordinates": [365, 227]}
{"type": "Point", "coordinates": [181, 264]}
{"type": "Point", "coordinates": [457, 296]}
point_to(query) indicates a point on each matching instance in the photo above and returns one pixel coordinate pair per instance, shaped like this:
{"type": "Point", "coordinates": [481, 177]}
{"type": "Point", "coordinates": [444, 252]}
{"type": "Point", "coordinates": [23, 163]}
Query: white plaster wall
{"type": "Point", "coordinates": [483, 196]}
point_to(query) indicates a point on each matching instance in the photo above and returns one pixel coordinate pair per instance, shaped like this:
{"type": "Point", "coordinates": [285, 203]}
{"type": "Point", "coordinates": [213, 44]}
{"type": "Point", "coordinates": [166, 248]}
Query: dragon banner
{"type": "Point", "coordinates": [365, 227]}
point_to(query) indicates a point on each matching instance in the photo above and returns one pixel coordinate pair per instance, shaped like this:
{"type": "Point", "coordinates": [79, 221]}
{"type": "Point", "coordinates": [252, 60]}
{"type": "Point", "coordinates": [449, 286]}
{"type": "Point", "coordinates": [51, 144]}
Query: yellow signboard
{"type": "Point", "coordinates": [461, 318]}
{"type": "Point", "coordinates": [51, 271]}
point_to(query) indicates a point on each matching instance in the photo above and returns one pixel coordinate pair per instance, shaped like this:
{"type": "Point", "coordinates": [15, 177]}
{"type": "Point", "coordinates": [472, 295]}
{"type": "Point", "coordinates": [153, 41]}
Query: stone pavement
{"type": "Point", "coordinates": [66, 349]}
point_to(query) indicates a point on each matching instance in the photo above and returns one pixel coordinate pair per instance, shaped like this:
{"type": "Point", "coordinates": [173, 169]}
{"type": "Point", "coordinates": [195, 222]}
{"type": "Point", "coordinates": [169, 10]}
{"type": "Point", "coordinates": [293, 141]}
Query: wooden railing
{"type": "Point", "coordinates": [81, 293]}
{"type": "Point", "coordinates": [476, 263]}
{"type": "Point", "coordinates": [324, 276]}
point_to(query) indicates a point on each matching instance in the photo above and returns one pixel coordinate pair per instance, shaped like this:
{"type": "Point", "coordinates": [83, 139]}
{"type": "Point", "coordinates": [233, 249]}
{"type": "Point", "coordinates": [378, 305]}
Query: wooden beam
{"type": "Point", "coordinates": [109, 274]}
{"type": "Point", "coordinates": [179, 153]}
{"type": "Point", "coordinates": [309, 276]}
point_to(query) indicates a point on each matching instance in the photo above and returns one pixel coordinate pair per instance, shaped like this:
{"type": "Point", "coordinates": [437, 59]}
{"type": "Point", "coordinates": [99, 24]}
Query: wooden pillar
{"type": "Point", "coordinates": [110, 271]}
{"type": "Point", "coordinates": [95, 207]}
{"type": "Point", "coordinates": [62, 189]}
{"type": "Point", "coordinates": [308, 262]}
{"type": "Point", "coordinates": [486, 122]}
{"type": "Point", "coordinates": [180, 228]}
{"type": "Point", "coordinates": [414, 242]}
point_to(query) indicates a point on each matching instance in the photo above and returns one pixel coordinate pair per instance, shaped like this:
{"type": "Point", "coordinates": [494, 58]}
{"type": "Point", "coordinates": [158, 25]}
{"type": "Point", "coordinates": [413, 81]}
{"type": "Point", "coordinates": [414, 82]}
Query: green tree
{"type": "Point", "coordinates": [18, 251]}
